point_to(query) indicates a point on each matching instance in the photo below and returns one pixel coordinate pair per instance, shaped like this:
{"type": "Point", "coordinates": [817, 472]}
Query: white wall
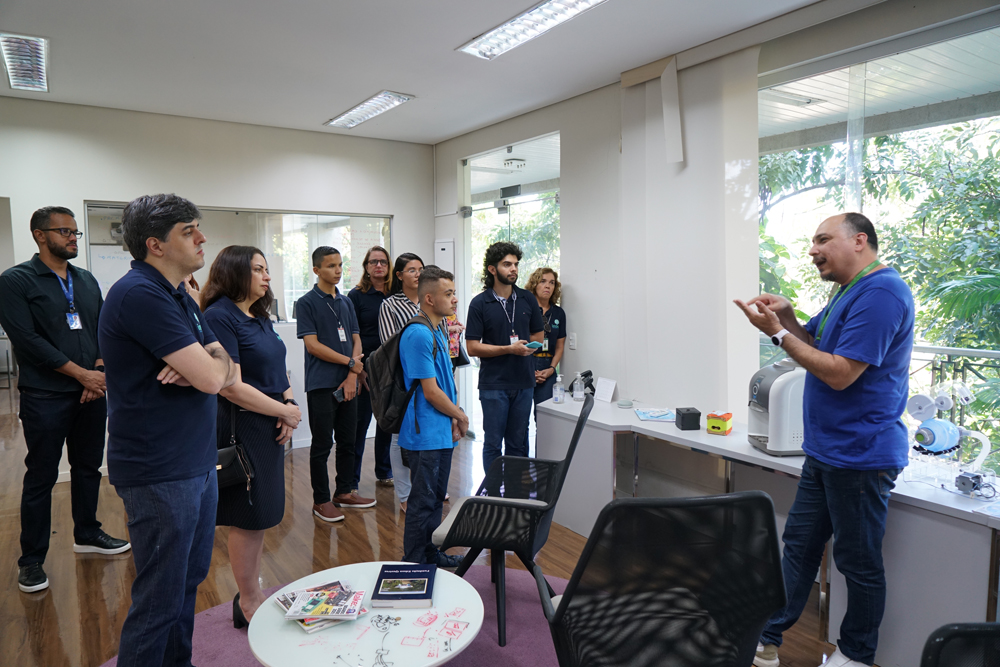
{"type": "Point", "coordinates": [62, 154]}
{"type": "Point", "coordinates": [589, 127]}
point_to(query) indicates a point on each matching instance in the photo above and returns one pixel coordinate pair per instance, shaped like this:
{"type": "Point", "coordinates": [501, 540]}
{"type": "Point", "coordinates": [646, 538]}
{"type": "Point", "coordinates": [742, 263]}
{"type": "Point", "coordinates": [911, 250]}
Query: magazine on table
{"type": "Point", "coordinates": [311, 624]}
{"type": "Point", "coordinates": [333, 600]}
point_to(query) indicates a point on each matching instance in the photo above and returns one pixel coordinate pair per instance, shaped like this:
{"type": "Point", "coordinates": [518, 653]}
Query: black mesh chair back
{"type": "Point", "coordinates": [963, 645]}
{"type": "Point", "coordinates": [679, 582]}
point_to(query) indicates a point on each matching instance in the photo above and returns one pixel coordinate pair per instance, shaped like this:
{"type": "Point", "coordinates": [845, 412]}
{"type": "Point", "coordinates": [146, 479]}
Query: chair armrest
{"type": "Point", "coordinates": [543, 593]}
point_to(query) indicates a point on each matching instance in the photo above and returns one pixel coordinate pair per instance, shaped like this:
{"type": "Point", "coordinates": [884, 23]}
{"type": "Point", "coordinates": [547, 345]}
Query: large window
{"type": "Point", "coordinates": [287, 240]}
{"type": "Point", "coordinates": [910, 140]}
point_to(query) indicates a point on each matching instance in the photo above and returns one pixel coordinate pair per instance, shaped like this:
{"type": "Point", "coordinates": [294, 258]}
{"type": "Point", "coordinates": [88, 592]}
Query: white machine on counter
{"type": "Point", "coordinates": [775, 424]}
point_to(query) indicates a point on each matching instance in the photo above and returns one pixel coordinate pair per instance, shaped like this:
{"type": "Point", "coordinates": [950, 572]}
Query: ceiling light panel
{"type": "Point", "coordinates": [522, 28]}
{"type": "Point", "coordinates": [26, 59]}
{"type": "Point", "coordinates": [368, 109]}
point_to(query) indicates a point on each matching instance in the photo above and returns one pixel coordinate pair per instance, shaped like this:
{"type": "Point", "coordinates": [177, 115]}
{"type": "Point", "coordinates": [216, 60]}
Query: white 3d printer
{"type": "Point", "coordinates": [775, 424]}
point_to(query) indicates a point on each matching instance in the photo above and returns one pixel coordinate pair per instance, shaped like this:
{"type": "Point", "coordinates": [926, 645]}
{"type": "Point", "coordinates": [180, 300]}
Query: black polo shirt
{"type": "Point", "coordinates": [252, 343]}
{"type": "Point", "coordinates": [33, 311]}
{"type": "Point", "coordinates": [156, 432]}
{"type": "Point", "coordinates": [490, 324]}
{"type": "Point", "coordinates": [554, 328]}
{"type": "Point", "coordinates": [366, 308]}
{"type": "Point", "coordinates": [321, 314]}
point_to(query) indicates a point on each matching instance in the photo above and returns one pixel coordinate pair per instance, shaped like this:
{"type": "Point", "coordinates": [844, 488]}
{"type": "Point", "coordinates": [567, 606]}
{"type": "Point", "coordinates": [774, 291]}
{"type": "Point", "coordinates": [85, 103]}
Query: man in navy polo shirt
{"type": "Point", "coordinates": [433, 421]}
{"type": "Point", "coordinates": [328, 326]}
{"type": "Point", "coordinates": [502, 319]}
{"type": "Point", "coordinates": [857, 352]}
{"type": "Point", "coordinates": [163, 368]}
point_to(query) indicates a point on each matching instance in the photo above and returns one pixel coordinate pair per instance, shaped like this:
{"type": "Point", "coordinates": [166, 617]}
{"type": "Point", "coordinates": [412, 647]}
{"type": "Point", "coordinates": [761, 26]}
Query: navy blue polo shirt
{"type": "Point", "coordinates": [251, 342]}
{"type": "Point", "coordinates": [156, 432]}
{"type": "Point", "coordinates": [490, 324]}
{"type": "Point", "coordinates": [366, 308]}
{"type": "Point", "coordinates": [555, 323]}
{"type": "Point", "coordinates": [321, 314]}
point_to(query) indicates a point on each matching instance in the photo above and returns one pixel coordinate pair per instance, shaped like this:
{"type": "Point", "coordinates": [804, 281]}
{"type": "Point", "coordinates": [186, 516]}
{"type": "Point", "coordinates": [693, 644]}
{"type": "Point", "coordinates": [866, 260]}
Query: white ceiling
{"type": "Point", "coordinates": [541, 163]}
{"type": "Point", "coordinates": [298, 63]}
{"type": "Point", "coordinates": [951, 70]}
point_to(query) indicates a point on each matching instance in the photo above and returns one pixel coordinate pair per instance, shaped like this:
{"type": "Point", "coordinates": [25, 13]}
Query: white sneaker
{"type": "Point", "coordinates": [767, 656]}
{"type": "Point", "coordinates": [838, 659]}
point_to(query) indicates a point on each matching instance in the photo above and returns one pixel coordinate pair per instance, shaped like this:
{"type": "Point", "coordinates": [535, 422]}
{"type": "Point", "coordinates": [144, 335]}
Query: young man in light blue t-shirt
{"type": "Point", "coordinates": [857, 352]}
{"type": "Point", "coordinates": [433, 422]}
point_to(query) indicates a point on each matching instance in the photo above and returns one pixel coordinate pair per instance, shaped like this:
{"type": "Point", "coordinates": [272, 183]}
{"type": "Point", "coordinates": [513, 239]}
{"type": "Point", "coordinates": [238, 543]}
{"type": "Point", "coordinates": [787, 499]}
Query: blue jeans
{"type": "Point", "coordinates": [505, 421]}
{"type": "Point", "coordinates": [172, 527]}
{"type": "Point", "coordinates": [850, 505]}
{"type": "Point", "coordinates": [400, 473]}
{"type": "Point", "coordinates": [429, 472]}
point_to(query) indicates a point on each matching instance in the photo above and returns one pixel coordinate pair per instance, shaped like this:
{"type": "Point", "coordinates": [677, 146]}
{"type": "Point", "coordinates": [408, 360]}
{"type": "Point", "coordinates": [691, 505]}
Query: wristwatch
{"type": "Point", "coordinates": [292, 401]}
{"type": "Point", "coordinates": [99, 369]}
{"type": "Point", "coordinates": [350, 364]}
{"type": "Point", "coordinates": [776, 338]}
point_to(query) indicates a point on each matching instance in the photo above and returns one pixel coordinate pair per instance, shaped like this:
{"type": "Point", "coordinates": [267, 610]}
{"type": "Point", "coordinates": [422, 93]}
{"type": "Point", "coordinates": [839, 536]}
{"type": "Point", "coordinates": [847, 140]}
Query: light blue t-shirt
{"type": "Point", "coordinates": [416, 353]}
{"type": "Point", "coordinates": [859, 428]}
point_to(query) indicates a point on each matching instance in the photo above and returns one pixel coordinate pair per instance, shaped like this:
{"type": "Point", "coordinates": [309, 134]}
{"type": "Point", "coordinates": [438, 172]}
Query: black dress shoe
{"type": "Point", "coordinates": [102, 543]}
{"type": "Point", "coordinates": [239, 620]}
{"type": "Point", "coordinates": [31, 578]}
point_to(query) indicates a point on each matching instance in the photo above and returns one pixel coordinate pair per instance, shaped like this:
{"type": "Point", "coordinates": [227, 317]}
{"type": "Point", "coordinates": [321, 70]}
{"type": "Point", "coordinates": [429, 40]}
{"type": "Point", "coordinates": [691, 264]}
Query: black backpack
{"type": "Point", "coordinates": [389, 393]}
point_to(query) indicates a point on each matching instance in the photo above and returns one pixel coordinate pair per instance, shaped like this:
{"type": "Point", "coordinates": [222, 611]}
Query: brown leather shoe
{"type": "Point", "coordinates": [327, 512]}
{"type": "Point", "coordinates": [353, 500]}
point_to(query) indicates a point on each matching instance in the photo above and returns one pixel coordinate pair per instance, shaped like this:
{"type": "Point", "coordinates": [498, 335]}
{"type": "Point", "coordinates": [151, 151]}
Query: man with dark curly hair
{"type": "Point", "coordinates": [502, 319]}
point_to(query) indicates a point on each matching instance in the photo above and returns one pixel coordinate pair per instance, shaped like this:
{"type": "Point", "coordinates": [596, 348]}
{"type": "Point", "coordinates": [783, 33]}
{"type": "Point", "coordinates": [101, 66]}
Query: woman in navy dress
{"type": "Point", "coordinates": [544, 284]}
{"type": "Point", "coordinates": [236, 302]}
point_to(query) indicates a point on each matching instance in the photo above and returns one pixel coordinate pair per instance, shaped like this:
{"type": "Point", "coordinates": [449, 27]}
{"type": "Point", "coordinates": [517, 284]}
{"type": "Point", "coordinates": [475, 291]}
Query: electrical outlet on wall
{"type": "Point", "coordinates": [572, 341]}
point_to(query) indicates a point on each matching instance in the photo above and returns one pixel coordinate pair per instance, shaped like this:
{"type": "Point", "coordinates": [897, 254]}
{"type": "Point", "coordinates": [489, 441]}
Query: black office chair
{"type": "Point", "coordinates": [963, 645]}
{"type": "Point", "coordinates": [682, 582]}
{"type": "Point", "coordinates": [511, 511]}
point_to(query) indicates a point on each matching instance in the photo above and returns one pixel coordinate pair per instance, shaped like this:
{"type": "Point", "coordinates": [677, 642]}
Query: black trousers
{"type": "Point", "coordinates": [49, 419]}
{"type": "Point", "coordinates": [329, 421]}
{"type": "Point", "coordinates": [383, 466]}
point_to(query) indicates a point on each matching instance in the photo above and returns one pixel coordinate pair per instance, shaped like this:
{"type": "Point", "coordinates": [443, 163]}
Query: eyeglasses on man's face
{"type": "Point", "coordinates": [378, 262]}
{"type": "Point", "coordinates": [65, 232]}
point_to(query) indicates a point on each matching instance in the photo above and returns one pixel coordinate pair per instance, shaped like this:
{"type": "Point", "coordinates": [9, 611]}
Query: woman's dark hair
{"type": "Point", "coordinates": [401, 262]}
{"type": "Point", "coordinates": [494, 255]}
{"type": "Point", "coordinates": [365, 283]}
{"type": "Point", "coordinates": [231, 275]}
{"type": "Point", "coordinates": [153, 216]}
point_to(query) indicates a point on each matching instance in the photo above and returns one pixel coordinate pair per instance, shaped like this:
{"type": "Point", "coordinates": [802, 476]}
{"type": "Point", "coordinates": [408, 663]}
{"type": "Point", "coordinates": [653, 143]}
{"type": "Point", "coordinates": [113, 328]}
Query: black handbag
{"type": "Point", "coordinates": [463, 357]}
{"type": "Point", "coordinates": [234, 467]}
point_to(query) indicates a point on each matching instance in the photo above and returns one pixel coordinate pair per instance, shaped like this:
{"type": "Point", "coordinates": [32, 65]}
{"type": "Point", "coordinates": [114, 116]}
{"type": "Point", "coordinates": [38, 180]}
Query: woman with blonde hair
{"type": "Point", "coordinates": [544, 284]}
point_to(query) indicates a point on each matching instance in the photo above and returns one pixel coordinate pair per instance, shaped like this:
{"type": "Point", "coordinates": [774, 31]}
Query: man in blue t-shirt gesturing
{"type": "Point", "coordinates": [163, 368]}
{"type": "Point", "coordinates": [857, 354]}
{"type": "Point", "coordinates": [433, 421]}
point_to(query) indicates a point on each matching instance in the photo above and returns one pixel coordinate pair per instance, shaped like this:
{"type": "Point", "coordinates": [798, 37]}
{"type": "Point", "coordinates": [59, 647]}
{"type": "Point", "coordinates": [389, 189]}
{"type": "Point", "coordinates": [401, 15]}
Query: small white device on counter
{"type": "Point", "coordinates": [775, 424]}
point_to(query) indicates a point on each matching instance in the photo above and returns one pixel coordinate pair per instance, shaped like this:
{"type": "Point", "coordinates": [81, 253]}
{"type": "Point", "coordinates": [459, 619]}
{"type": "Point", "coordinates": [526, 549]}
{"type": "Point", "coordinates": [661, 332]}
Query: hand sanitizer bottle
{"type": "Point", "coordinates": [558, 391]}
{"type": "Point", "coordinates": [578, 388]}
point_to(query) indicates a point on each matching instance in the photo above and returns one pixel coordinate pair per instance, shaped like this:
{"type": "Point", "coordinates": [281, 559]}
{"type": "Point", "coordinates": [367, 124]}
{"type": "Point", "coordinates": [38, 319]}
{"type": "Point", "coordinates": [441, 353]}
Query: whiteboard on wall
{"type": "Point", "coordinates": [109, 263]}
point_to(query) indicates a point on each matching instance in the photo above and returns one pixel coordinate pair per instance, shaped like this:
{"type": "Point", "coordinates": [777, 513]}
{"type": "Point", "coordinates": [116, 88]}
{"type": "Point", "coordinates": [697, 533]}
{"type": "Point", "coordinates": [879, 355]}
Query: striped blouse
{"type": "Point", "coordinates": [396, 311]}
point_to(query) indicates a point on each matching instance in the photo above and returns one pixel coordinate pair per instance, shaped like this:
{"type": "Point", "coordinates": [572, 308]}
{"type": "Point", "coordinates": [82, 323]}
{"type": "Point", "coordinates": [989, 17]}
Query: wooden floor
{"type": "Point", "coordinates": [77, 620]}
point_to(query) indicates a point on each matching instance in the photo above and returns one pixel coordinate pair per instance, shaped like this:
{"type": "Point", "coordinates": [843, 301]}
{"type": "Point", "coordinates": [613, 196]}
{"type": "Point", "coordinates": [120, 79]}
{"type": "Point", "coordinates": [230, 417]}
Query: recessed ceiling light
{"type": "Point", "coordinates": [783, 97]}
{"type": "Point", "coordinates": [524, 27]}
{"type": "Point", "coordinates": [25, 58]}
{"type": "Point", "coordinates": [368, 109]}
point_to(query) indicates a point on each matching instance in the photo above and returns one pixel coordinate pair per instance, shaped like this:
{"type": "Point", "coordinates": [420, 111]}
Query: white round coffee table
{"type": "Point", "coordinates": [412, 637]}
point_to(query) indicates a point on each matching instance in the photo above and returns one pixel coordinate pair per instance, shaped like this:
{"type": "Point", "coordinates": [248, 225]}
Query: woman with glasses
{"type": "Point", "coordinates": [237, 301]}
{"type": "Point", "coordinates": [401, 305]}
{"type": "Point", "coordinates": [544, 284]}
{"type": "Point", "coordinates": [367, 297]}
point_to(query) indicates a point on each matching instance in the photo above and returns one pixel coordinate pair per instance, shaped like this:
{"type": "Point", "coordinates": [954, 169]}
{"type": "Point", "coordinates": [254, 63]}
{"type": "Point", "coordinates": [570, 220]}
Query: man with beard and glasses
{"type": "Point", "coordinates": [857, 354]}
{"type": "Point", "coordinates": [49, 309]}
{"type": "Point", "coordinates": [502, 319]}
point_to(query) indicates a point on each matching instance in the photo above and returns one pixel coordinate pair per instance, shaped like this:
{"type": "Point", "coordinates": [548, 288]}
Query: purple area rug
{"type": "Point", "coordinates": [529, 643]}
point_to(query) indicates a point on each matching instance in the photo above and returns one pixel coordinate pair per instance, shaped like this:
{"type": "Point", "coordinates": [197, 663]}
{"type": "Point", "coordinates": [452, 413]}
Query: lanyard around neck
{"type": "Point", "coordinates": [503, 304]}
{"type": "Point", "coordinates": [67, 288]}
{"type": "Point", "coordinates": [841, 292]}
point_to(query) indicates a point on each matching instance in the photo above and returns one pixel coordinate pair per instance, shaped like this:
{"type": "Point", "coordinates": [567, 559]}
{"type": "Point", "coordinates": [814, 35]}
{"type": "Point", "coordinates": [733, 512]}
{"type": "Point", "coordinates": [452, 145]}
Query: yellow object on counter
{"type": "Point", "coordinates": [719, 424]}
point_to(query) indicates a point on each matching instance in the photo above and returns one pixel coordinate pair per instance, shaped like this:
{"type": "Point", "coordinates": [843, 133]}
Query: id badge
{"type": "Point", "coordinates": [513, 339]}
{"type": "Point", "coordinates": [73, 320]}
{"type": "Point", "coordinates": [342, 334]}
{"type": "Point", "coordinates": [545, 345]}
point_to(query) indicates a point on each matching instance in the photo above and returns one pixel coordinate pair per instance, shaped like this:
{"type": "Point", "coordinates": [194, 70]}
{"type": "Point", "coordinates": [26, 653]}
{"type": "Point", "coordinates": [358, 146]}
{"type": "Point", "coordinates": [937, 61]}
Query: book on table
{"type": "Point", "coordinates": [311, 624]}
{"type": "Point", "coordinates": [332, 600]}
{"type": "Point", "coordinates": [406, 586]}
